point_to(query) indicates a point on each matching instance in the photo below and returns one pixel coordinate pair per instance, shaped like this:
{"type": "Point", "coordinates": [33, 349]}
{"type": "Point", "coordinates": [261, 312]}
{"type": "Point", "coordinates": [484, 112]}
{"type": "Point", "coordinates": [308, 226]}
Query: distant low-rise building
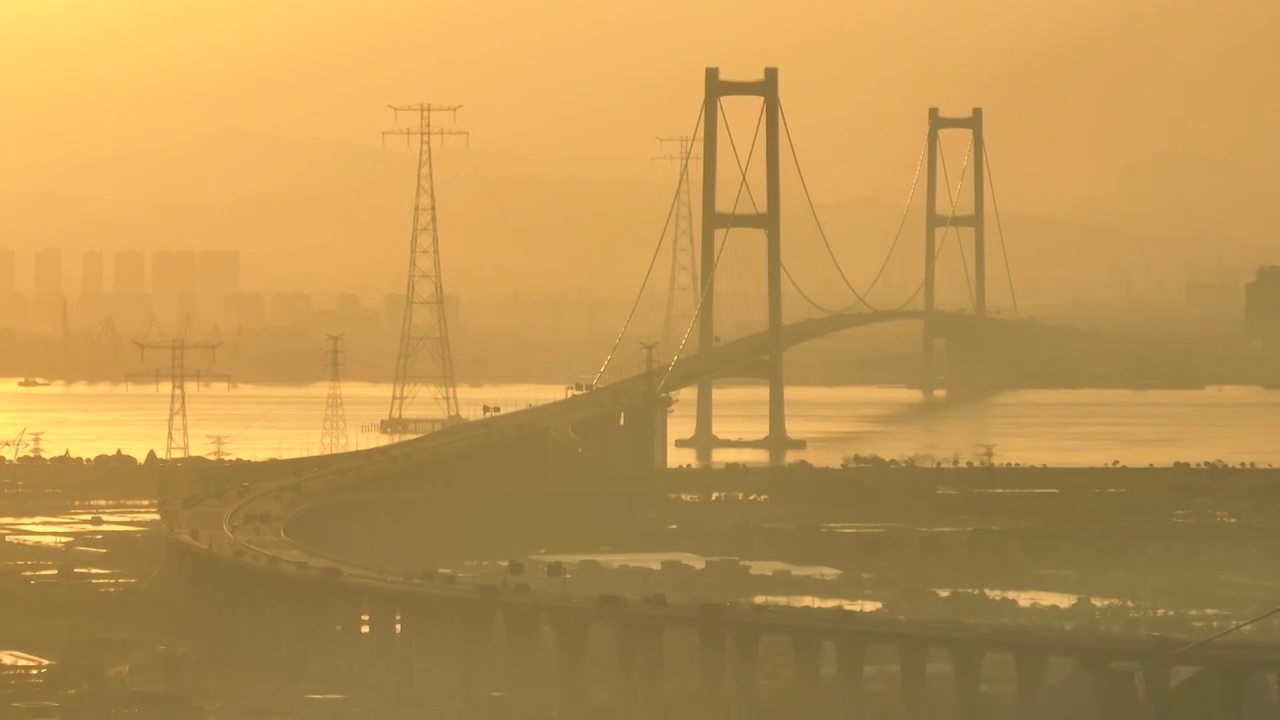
{"type": "Point", "coordinates": [1215, 303]}
{"type": "Point", "coordinates": [1262, 308]}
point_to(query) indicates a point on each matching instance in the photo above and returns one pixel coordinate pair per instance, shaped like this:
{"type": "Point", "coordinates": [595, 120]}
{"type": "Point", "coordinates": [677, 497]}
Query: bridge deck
{"type": "Point", "coordinates": [228, 526]}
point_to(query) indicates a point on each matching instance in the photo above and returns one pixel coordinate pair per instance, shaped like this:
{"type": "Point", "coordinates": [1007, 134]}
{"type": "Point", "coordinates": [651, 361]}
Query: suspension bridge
{"type": "Point", "coordinates": [291, 612]}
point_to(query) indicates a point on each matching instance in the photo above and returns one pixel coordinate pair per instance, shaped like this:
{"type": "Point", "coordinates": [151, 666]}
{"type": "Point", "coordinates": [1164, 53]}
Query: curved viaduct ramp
{"type": "Point", "coordinates": [285, 612]}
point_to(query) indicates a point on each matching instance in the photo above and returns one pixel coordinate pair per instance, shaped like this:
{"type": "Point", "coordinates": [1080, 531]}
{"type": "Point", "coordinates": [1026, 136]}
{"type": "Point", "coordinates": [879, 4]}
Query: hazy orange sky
{"type": "Point", "coordinates": [1111, 81]}
{"type": "Point", "coordinates": [1150, 116]}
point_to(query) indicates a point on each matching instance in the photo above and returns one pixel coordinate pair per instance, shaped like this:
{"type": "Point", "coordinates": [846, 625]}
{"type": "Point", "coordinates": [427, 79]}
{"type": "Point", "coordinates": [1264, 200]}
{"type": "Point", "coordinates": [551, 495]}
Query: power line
{"type": "Point", "coordinates": [946, 230]}
{"type": "Point", "coordinates": [755, 137]}
{"type": "Point", "coordinates": [649, 271]}
{"type": "Point", "coordinates": [425, 357]}
{"type": "Point", "coordinates": [964, 261]}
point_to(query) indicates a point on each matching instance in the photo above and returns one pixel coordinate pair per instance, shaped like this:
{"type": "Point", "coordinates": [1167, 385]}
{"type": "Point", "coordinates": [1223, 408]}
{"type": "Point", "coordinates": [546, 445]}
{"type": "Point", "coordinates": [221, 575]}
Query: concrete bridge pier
{"type": "Point", "coordinates": [328, 645]}
{"type": "Point", "coordinates": [641, 437]}
{"type": "Point", "coordinates": [571, 660]}
{"type": "Point", "coordinates": [712, 639]}
{"type": "Point", "coordinates": [520, 626]}
{"type": "Point", "coordinates": [851, 660]}
{"type": "Point", "coordinates": [1155, 690]}
{"type": "Point", "coordinates": [913, 673]}
{"type": "Point", "coordinates": [477, 624]}
{"type": "Point", "coordinates": [746, 674]}
{"type": "Point", "coordinates": [1221, 693]}
{"type": "Point", "coordinates": [351, 634]}
{"type": "Point", "coordinates": [966, 673]}
{"type": "Point", "coordinates": [426, 645]}
{"type": "Point", "coordinates": [206, 602]}
{"type": "Point", "coordinates": [652, 640]}
{"type": "Point", "coordinates": [1030, 671]}
{"type": "Point", "coordinates": [381, 645]}
{"type": "Point", "coordinates": [806, 650]}
{"type": "Point", "coordinates": [626, 644]}
{"type": "Point", "coordinates": [298, 631]}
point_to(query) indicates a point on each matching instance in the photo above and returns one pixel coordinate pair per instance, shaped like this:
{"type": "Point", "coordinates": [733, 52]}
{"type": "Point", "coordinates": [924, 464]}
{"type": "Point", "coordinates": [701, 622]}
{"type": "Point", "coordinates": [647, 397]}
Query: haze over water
{"type": "Point", "coordinates": [1054, 427]}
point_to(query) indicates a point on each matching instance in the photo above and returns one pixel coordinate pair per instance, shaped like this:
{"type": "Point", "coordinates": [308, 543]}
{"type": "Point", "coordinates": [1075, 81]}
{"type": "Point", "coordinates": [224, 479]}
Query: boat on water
{"type": "Point", "coordinates": [32, 382]}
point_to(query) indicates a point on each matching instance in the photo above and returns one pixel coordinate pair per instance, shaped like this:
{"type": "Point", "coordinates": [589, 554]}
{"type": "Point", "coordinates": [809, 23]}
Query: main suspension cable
{"type": "Point", "coordinates": [666, 225]}
{"type": "Point", "coordinates": [706, 286]}
{"type": "Point", "coordinates": [946, 230]}
{"type": "Point", "coordinates": [804, 185]}
{"type": "Point", "coordinates": [1013, 296]}
{"type": "Point", "coordinates": [861, 299]}
{"type": "Point", "coordinates": [964, 260]}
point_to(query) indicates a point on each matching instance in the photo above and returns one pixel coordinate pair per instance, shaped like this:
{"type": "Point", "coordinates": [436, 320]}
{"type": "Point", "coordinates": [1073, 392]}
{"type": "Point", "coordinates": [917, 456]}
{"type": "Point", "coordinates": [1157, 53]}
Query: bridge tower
{"type": "Point", "coordinates": [935, 221]}
{"type": "Point", "coordinates": [770, 221]}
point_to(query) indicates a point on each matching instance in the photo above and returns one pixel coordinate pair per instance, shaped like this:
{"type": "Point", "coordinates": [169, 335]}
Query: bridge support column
{"type": "Point", "coordinates": [641, 436]}
{"type": "Point", "coordinates": [806, 651]}
{"type": "Point", "coordinates": [303, 618]}
{"type": "Point", "coordinates": [712, 665]}
{"type": "Point", "coordinates": [520, 627]}
{"type": "Point", "coordinates": [626, 644]}
{"type": "Point", "coordinates": [913, 673]}
{"type": "Point", "coordinates": [1030, 670]}
{"type": "Point", "coordinates": [476, 634]}
{"type": "Point", "coordinates": [1155, 690]}
{"type": "Point", "coordinates": [351, 640]}
{"type": "Point", "coordinates": [383, 617]}
{"type": "Point", "coordinates": [652, 640]}
{"type": "Point", "coordinates": [966, 675]}
{"type": "Point", "coordinates": [571, 654]}
{"type": "Point", "coordinates": [851, 659]}
{"type": "Point", "coordinates": [1233, 684]}
{"type": "Point", "coordinates": [416, 635]}
{"type": "Point", "coordinates": [746, 676]}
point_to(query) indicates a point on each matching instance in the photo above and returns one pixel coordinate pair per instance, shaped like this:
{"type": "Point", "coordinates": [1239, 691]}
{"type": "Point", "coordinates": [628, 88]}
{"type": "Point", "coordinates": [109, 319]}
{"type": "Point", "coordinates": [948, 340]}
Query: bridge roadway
{"type": "Point", "coordinates": [242, 531]}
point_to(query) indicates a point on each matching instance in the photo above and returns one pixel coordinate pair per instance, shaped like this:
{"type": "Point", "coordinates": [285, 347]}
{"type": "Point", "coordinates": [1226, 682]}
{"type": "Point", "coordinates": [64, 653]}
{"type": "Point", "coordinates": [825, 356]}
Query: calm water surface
{"type": "Point", "coordinates": [1055, 427]}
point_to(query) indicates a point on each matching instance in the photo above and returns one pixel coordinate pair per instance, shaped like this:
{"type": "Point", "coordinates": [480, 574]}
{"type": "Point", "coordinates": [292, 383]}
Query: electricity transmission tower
{"type": "Point", "coordinates": [178, 443]}
{"type": "Point", "coordinates": [682, 287]}
{"type": "Point", "coordinates": [333, 432]}
{"type": "Point", "coordinates": [219, 443]}
{"type": "Point", "coordinates": [425, 358]}
{"type": "Point", "coordinates": [37, 449]}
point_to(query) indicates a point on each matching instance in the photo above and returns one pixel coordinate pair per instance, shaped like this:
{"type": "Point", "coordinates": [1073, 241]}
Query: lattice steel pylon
{"type": "Point", "coordinates": [333, 431]}
{"type": "Point", "coordinates": [425, 357]}
{"type": "Point", "coordinates": [178, 442]}
{"type": "Point", "coordinates": [682, 288]}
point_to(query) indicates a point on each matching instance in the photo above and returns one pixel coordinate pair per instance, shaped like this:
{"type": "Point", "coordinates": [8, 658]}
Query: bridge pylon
{"type": "Point", "coordinates": [935, 221]}
{"type": "Point", "coordinates": [714, 221]}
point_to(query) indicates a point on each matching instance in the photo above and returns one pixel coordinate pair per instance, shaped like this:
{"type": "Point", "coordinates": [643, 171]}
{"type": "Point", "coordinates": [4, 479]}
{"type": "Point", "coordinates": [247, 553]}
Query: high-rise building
{"type": "Point", "coordinates": [163, 280]}
{"type": "Point", "coordinates": [219, 273]}
{"type": "Point", "coordinates": [246, 310]}
{"type": "Point", "coordinates": [129, 273]}
{"type": "Point", "coordinates": [174, 273]}
{"type": "Point", "coordinates": [8, 272]}
{"type": "Point", "coordinates": [92, 271]}
{"type": "Point", "coordinates": [48, 273]}
{"type": "Point", "coordinates": [1262, 307]}
{"type": "Point", "coordinates": [349, 315]}
{"type": "Point", "coordinates": [291, 310]}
